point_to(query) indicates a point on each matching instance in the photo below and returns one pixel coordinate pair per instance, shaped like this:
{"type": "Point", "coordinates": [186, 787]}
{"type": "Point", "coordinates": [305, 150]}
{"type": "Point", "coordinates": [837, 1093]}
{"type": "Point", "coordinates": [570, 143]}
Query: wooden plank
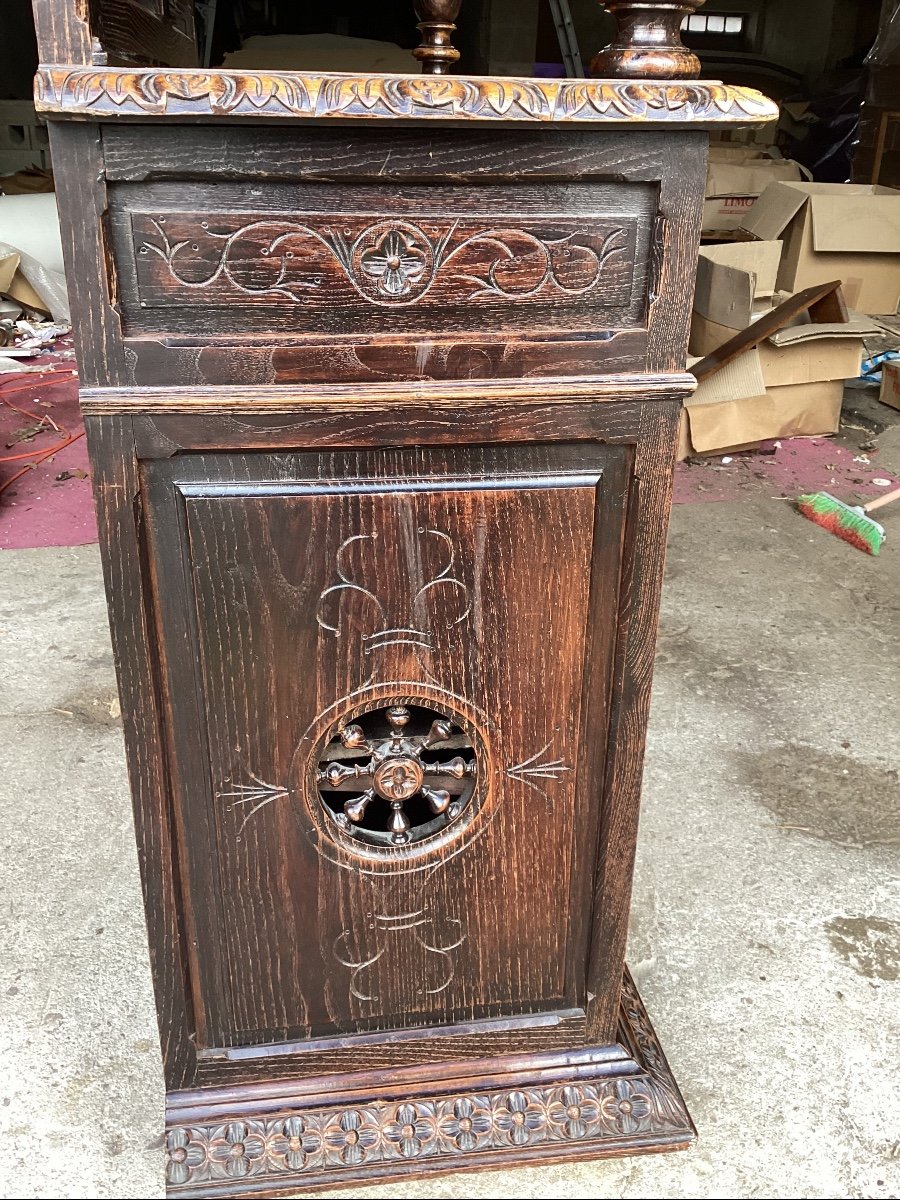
{"type": "Point", "coordinates": [90, 274]}
{"type": "Point", "coordinates": [828, 294]}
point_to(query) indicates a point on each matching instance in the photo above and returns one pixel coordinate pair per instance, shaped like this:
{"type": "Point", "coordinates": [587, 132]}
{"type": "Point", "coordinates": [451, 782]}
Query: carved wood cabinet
{"type": "Point", "coordinates": [382, 379]}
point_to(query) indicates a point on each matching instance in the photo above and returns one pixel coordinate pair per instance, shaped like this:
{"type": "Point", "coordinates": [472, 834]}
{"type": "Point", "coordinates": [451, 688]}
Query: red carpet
{"type": "Point", "coordinates": [45, 493]}
{"type": "Point", "coordinates": [46, 500]}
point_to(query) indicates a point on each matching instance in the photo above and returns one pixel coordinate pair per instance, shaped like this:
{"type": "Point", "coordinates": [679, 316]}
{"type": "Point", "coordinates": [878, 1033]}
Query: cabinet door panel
{"type": "Point", "coordinates": [305, 592]}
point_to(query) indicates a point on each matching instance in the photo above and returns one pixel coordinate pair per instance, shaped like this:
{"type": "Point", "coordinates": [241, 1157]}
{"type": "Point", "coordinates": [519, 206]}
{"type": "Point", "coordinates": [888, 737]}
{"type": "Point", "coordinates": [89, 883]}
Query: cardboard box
{"type": "Point", "coordinates": [808, 353]}
{"type": "Point", "coordinates": [791, 384]}
{"type": "Point", "coordinates": [845, 231]}
{"type": "Point", "coordinates": [734, 283]}
{"type": "Point", "coordinates": [735, 409]}
{"type": "Point", "coordinates": [735, 177]}
{"type": "Point", "coordinates": [890, 384]}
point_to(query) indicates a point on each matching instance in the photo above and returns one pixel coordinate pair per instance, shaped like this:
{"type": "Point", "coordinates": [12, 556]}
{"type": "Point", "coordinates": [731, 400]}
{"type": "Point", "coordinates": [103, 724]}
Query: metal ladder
{"type": "Point", "coordinates": [568, 42]}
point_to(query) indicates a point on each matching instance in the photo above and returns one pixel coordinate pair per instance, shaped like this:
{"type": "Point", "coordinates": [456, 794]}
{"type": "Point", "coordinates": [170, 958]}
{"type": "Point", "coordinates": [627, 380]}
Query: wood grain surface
{"type": "Point", "coordinates": [382, 379]}
{"type": "Point", "coordinates": [518, 549]}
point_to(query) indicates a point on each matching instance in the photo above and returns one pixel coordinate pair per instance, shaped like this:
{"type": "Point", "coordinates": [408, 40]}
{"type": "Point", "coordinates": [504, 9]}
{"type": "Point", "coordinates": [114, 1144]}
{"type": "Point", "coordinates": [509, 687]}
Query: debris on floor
{"type": "Point", "coordinates": [45, 496]}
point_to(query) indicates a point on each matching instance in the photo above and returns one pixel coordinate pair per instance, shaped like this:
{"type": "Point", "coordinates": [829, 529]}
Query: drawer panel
{"type": "Point", "coordinates": [231, 259]}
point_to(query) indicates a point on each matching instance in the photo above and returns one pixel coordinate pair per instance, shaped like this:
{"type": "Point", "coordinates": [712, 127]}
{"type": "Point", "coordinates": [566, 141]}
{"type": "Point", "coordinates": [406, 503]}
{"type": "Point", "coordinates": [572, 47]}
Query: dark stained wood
{"type": "Point", "coordinates": [429, 258]}
{"type": "Point", "coordinates": [63, 31]}
{"type": "Point", "coordinates": [462, 1119]}
{"type": "Point", "coordinates": [811, 300]}
{"type": "Point", "coordinates": [73, 93]}
{"type": "Point", "coordinates": [437, 53]}
{"type": "Point", "coordinates": [132, 624]}
{"type": "Point", "coordinates": [274, 638]}
{"type": "Point", "coordinates": [527, 332]}
{"type": "Point", "coordinates": [382, 399]}
{"type": "Point", "coordinates": [831, 309]}
{"type": "Point", "coordinates": [116, 32]}
{"type": "Point", "coordinates": [90, 275]}
{"type": "Point", "coordinates": [648, 43]}
{"type": "Point", "coordinates": [145, 32]}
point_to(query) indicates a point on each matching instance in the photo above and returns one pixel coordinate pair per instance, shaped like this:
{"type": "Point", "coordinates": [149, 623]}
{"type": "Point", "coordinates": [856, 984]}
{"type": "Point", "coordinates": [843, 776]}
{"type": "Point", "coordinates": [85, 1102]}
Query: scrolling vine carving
{"type": "Point", "coordinates": [388, 262]}
{"type": "Point", "coordinates": [363, 603]}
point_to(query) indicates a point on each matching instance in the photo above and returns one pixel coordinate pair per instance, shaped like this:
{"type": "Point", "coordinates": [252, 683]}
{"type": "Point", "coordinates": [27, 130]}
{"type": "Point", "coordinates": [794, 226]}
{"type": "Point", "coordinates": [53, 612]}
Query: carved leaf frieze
{"type": "Point", "coordinates": [129, 93]}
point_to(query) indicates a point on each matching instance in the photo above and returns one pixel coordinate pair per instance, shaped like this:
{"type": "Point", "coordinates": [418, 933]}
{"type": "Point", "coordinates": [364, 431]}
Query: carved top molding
{"type": "Point", "coordinates": [102, 94]}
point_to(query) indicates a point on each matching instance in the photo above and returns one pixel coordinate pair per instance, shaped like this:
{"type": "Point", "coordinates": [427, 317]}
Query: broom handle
{"type": "Point", "coordinates": [894, 494]}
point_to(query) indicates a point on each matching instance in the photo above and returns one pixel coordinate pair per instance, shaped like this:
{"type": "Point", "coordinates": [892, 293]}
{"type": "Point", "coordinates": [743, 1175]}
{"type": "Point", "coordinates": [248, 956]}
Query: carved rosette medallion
{"type": "Point", "coordinates": [396, 775]}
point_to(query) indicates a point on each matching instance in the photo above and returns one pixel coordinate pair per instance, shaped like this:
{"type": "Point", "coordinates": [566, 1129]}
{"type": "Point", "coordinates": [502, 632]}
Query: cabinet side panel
{"type": "Point", "coordinates": [678, 238]}
{"type": "Point", "coordinates": [90, 272]}
{"type": "Point", "coordinates": [643, 564]}
{"type": "Point", "coordinates": [120, 520]}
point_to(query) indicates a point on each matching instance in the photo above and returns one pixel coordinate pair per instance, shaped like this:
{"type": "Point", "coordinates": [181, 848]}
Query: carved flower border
{"type": "Point", "coordinates": [150, 93]}
{"type": "Point", "coordinates": [623, 1110]}
{"type": "Point", "coordinates": [332, 1139]}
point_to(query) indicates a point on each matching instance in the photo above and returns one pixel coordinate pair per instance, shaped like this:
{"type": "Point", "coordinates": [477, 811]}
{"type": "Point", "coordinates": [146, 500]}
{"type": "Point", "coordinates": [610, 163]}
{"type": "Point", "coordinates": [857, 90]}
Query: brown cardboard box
{"type": "Point", "coordinates": [846, 231]}
{"type": "Point", "coordinates": [734, 282]}
{"type": "Point", "coordinates": [736, 175]}
{"type": "Point", "coordinates": [890, 384]}
{"type": "Point", "coordinates": [735, 409]}
{"type": "Point", "coordinates": [14, 284]}
{"type": "Point", "coordinates": [808, 353]}
{"type": "Point", "coordinates": [790, 384]}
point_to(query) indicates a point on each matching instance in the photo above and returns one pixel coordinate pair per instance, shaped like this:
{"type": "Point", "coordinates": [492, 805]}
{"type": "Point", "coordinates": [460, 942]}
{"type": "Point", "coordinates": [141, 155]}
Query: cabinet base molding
{"type": "Point", "coordinates": [256, 1140]}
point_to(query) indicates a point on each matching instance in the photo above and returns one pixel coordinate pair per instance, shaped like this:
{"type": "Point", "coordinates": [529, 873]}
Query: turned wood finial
{"type": "Point", "coordinates": [436, 24]}
{"type": "Point", "coordinates": [648, 44]}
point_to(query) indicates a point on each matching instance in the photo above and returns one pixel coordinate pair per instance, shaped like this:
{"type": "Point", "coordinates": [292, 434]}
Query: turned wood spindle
{"type": "Point", "coordinates": [436, 24]}
{"type": "Point", "coordinates": [648, 43]}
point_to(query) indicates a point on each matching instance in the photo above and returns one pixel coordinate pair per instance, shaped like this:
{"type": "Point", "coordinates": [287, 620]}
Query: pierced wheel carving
{"type": "Point", "coordinates": [397, 774]}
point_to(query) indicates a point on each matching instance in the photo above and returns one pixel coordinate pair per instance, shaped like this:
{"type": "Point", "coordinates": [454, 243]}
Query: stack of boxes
{"type": "Point", "coordinates": [792, 383]}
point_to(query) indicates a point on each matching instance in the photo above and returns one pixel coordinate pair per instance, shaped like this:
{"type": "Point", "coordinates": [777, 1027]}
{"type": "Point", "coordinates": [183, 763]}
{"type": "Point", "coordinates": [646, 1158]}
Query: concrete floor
{"type": "Point", "coordinates": [766, 935]}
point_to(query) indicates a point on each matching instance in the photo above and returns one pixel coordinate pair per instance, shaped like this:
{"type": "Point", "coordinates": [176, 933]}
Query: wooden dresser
{"type": "Point", "coordinates": [382, 379]}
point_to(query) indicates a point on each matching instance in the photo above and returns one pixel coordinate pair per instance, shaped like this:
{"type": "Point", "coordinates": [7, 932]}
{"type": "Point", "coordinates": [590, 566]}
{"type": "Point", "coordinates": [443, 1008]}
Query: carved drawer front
{"type": "Point", "coordinates": [228, 259]}
{"type": "Point", "coordinates": [386, 754]}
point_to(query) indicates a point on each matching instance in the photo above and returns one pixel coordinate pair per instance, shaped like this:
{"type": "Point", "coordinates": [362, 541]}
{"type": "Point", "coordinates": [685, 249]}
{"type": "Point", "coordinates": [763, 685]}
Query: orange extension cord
{"type": "Point", "coordinates": [66, 437]}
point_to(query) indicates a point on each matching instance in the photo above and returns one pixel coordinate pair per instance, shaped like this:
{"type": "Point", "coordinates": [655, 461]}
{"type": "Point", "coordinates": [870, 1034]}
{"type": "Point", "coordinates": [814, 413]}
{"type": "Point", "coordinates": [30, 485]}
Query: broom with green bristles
{"type": "Point", "coordinates": [853, 524]}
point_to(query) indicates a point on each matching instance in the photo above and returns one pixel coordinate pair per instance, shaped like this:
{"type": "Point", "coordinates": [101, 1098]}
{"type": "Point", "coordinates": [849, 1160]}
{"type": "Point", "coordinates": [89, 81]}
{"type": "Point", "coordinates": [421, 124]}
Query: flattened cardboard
{"type": "Point", "coordinates": [740, 379]}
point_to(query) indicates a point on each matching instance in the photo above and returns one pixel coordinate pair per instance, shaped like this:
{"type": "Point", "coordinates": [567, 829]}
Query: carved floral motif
{"type": "Point", "coordinates": [387, 262]}
{"type": "Point", "coordinates": [396, 263]}
{"type": "Point", "coordinates": [127, 93]}
{"type": "Point", "coordinates": [618, 1110]}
